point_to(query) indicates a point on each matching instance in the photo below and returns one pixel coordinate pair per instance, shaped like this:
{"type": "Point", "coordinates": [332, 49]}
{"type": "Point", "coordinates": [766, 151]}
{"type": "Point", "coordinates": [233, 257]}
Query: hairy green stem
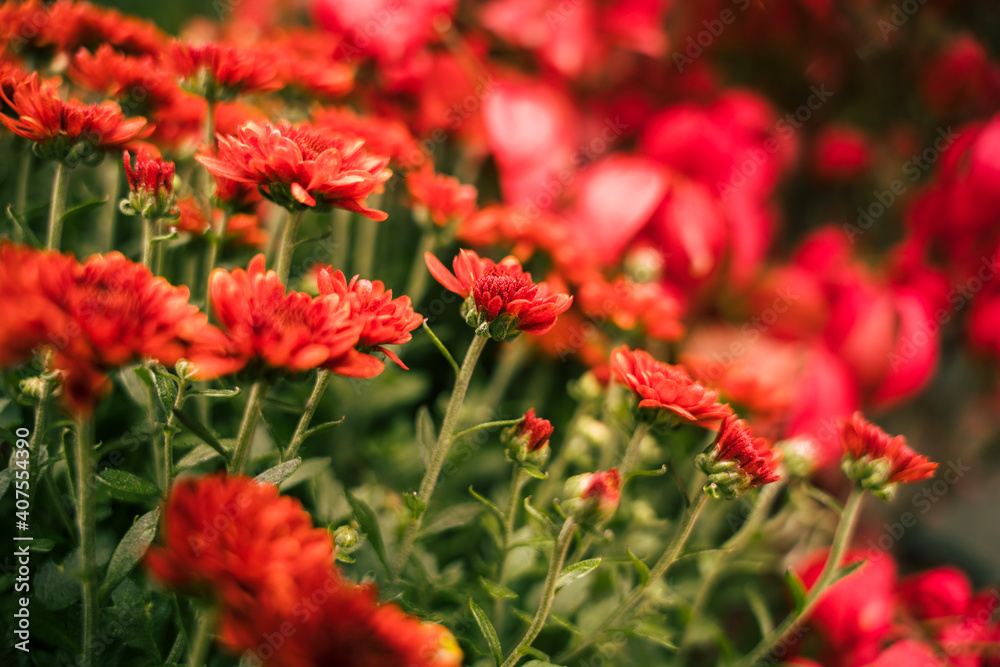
{"type": "Point", "coordinates": [287, 248]}
{"type": "Point", "coordinates": [517, 481]}
{"type": "Point", "coordinates": [841, 540]}
{"type": "Point", "coordinates": [417, 283]}
{"type": "Point", "coordinates": [215, 243]}
{"type": "Point", "coordinates": [548, 592]}
{"type": "Point", "coordinates": [111, 177]}
{"type": "Point", "coordinates": [627, 606]}
{"type": "Point", "coordinates": [148, 230]}
{"type": "Point", "coordinates": [86, 520]}
{"type": "Point", "coordinates": [251, 415]}
{"type": "Point", "coordinates": [322, 382]}
{"type": "Point", "coordinates": [60, 189]}
{"type": "Point", "coordinates": [631, 456]}
{"type": "Point", "coordinates": [203, 639]}
{"type": "Point", "coordinates": [38, 438]}
{"type": "Point", "coordinates": [440, 451]}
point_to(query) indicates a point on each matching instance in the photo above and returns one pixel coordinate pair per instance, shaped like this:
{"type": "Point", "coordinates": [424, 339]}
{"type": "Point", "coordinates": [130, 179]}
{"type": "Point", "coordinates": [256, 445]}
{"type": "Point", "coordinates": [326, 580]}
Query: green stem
{"type": "Point", "coordinates": [60, 189]}
{"type": "Point", "coordinates": [38, 438]}
{"type": "Point", "coordinates": [731, 547]}
{"type": "Point", "coordinates": [148, 231]}
{"type": "Point", "coordinates": [841, 540]}
{"type": "Point", "coordinates": [287, 248]}
{"type": "Point", "coordinates": [168, 438]}
{"type": "Point", "coordinates": [632, 449]}
{"type": "Point", "coordinates": [624, 610]}
{"type": "Point", "coordinates": [364, 249]}
{"type": "Point", "coordinates": [441, 448]}
{"type": "Point", "coordinates": [486, 425]}
{"type": "Point", "coordinates": [441, 348]}
{"type": "Point", "coordinates": [548, 592]}
{"type": "Point", "coordinates": [517, 482]}
{"type": "Point", "coordinates": [251, 415]}
{"type": "Point", "coordinates": [23, 174]}
{"type": "Point", "coordinates": [322, 382]}
{"type": "Point", "coordinates": [215, 244]}
{"type": "Point", "coordinates": [86, 519]}
{"type": "Point", "coordinates": [417, 283]}
{"type": "Point", "coordinates": [202, 639]}
{"type": "Point", "coordinates": [111, 175]}
{"type": "Point", "coordinates": [340, 228]}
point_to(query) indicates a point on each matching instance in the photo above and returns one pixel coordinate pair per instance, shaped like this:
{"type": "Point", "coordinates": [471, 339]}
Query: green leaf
{"type": "Point", "coordinates": [218, 393]}
{"type": "Point", "coordinates": [576, 571]}
{"type": "Point", "coordinates": [6, 475]}
{"type": "Point", "coordinates": [535, 472]}
{"type": "Point", "coordinates": [56, 585]}
{"type": "Point", "coordinates": [368, 523]}
{"type": "Point", "coordinates": [488, 503]}
{"type": "Point", "coordinates": [86, 206]}
{"type": "Point", "coordinates": [547, 522]}
{"type": "Point", "coordinates": [195, 427]}
{"type": "Point", "coordinates": [641, 569]}
{"type": "Point", "coordinates": [760, 611]}
{"type": "Point", "coordinates": [416, 505]}
{"type": "Point", "coordinates": [541, 656]}
{"type": "Point", "coordinates": [454, 516]}
{"type": "Point", "coordinates": [849, 569]}
{"type": "Point", "coordinates": [126, 486]}
{"type": "Point", "coordinates": [649, 473]}
{"type": "Point", "coordinates": [488, 631]}
{"type": "Point", "coordinates": [651, 636]}
{"type": "Point", "coordinates": [496, 590]}
{"type": "Point", "coordinates": [426, 433]}
{"type": "Point", "coordinates": [130, 550]}
{"type": "Point", "coordinates": [797, 589]}
{"type": "Point", "coordinates": [26, 233]}
{"type": "Point", "coordinates": [197, 455]}
{"type": "Point", "coordinates": [540, 663]}
{"type": "Point", "coordinates": [823, 498]}
{"type": "Point", "coordinates": [309, 468]}
{"type": "Point", "coordinates": [322, 428]}
{"type": "Point", "coordinates": [279, 473]}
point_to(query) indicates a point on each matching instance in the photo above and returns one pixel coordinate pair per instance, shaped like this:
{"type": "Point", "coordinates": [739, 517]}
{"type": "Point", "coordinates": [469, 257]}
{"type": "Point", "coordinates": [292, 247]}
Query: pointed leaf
{"type": "Point", "coordinates": [455, 516]}
{"type": "Point", "coordinates": [86, 206]}
{"type": "Point", "coordinates": [218, 393]}
{"type": "Point", "coordinates": [547, 522]}
{"type": "Point", "coordinates": [651, 636]}
{"type": "Point", "coordinates": [797, 590]}
{"type": "Point", "coordinates": [279, 473]}
{"type": "Point", "coordinates": [368, 523]}
{"type": "Point", "coordinates": [576, 571]}
{"type": "Point", "coordinates": [416, 505]}
{"type": "Point", "coordinates": [641, 569]}
{"type": "Point", "coordinates": [488, 503]}
{"type": "Point", "coordinates": [488, 631]}
{"type": "Point", "coordinates": [321, 428]}
{"type": "Point", "coordinates": [197, 455]}
{"type": "Point", "coordinates": [126, 486]}
{"type": "Point", "coordinates": [496, 590]}
{"type": "Point", "coordinates": [535, 472]}
{"type": "Point", "coordinates": [130, 550]}
{"type": "Point", "coordinates": [206, 436]}
{"type": "Point", "coordinates": [849, 569]}
{"type": "Point", "coordinates": [26, 233]}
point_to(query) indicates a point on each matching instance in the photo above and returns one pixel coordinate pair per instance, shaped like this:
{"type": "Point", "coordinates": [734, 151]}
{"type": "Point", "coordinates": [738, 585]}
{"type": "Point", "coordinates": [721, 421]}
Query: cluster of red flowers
{"type": "Point", "coordinates": [256, 556]}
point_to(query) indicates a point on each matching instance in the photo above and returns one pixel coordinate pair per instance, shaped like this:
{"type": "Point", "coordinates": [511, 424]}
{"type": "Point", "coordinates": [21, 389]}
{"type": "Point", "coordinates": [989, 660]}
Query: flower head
{"type": "Point", "coordinates": [664, 387]}
{"type": "Point", "coordinates": [298, 166]}
{"type": "Point", "coordinates": [528, 440]}
{"type": "Point", "coordinates": [593, 497]}
{"type": "Point", "coordinates": [274, 330]}
{"type": "Point", "coordinates": [738, 461]}
{"type": "Point", "coordinates": [385, 321]}
{"type": "Point", "coordinates": [220, 72]}
{"type": "Point", "coordinates": [69, 131]}
{"type": "Point", "coordinates": [140, 84]}
{"type": "Point", "coordinates": [151, 187]}
{"type": "Point", "coordinates": [876, 461]}
{"type": "Point", "coordinates": [501, 300]}
{"type": "Point", "coordinates": [441, 198]}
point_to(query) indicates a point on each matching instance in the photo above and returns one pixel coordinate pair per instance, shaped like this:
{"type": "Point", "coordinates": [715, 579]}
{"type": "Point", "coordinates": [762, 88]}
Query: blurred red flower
{"type": "Point", "coordinates": [864, 441]}
{"type": "Point", "coordinates": [441, 198]}
{"type": "Point", "coordinates": [221, 71]}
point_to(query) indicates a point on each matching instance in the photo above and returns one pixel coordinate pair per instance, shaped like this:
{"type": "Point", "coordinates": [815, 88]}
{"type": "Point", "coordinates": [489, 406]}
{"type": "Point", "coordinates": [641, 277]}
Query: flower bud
{"type": "Point", "coordinates": [346, 539]}
{"type": "Point", "coordinates": [151, 187]}
{"type": "Point", "coordinates": [593, 497]}
{"type": "Point", "coordinates": [737, 461]}
{"type": "Point", "coordinates": [528, 440]}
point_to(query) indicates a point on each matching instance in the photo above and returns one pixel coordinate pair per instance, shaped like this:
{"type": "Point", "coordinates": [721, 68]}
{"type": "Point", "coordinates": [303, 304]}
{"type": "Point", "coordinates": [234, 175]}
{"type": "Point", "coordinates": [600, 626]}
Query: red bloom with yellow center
{"type": "Point", "coordinates": [877, 461]}
{"type": "Point", "coordinates": [500, 299]}
{"type": "Point", "coordinates": [219, 71]}
{"type": "Point", "coordinates": [272, 329]}
{"type": "Point", "coordinates": [96, 316]}
{"type": "Point", "coordinates": [738, 461]}
{"type": "Point", "coordinates": [238, 542]}
{"type": "Point", "coordinates": [69, 131]}
{"type": "Point", "coordinates": [661, 386]}
{"type": "Point", "coordinates": [385, 321]}
{"type": "Point", "coordinates": [298, 166]}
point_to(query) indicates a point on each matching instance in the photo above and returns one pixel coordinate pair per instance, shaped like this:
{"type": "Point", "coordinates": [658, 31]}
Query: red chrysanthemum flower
{"type": "Point", "coordinates": [298, 166]}
{"type": "Point", "coordinates": [238, 542]}
{"type": "Point", "coordinates": [500, 299]}
{"type": "Point", "coordinates": [386, 321]}
{"type": "Point", "coordinates": [382, 136]}
{"type": "Point", "coordinates": [96, 316]}
{"type": "Point", "coordinates": [877, 461]}
{"type": "Point", "coordinates": [69, 131]}
{"type": "Point", "coordinates": [278, 330]}
{"type": "Point", "coordinates": [220, 72]}
{"type": "Point", "coordinates": [738, 461]}
{"type": "Point", "coordinates": [441, 198]}
{"type": "Point", "coordinates": [661, 386]}
{"type": "Point", "coordinates": [528, 440]}
{"type": "Point", "coordinates": [151, 187]}
{"type": "Point", "coordinates": [138, 83]}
